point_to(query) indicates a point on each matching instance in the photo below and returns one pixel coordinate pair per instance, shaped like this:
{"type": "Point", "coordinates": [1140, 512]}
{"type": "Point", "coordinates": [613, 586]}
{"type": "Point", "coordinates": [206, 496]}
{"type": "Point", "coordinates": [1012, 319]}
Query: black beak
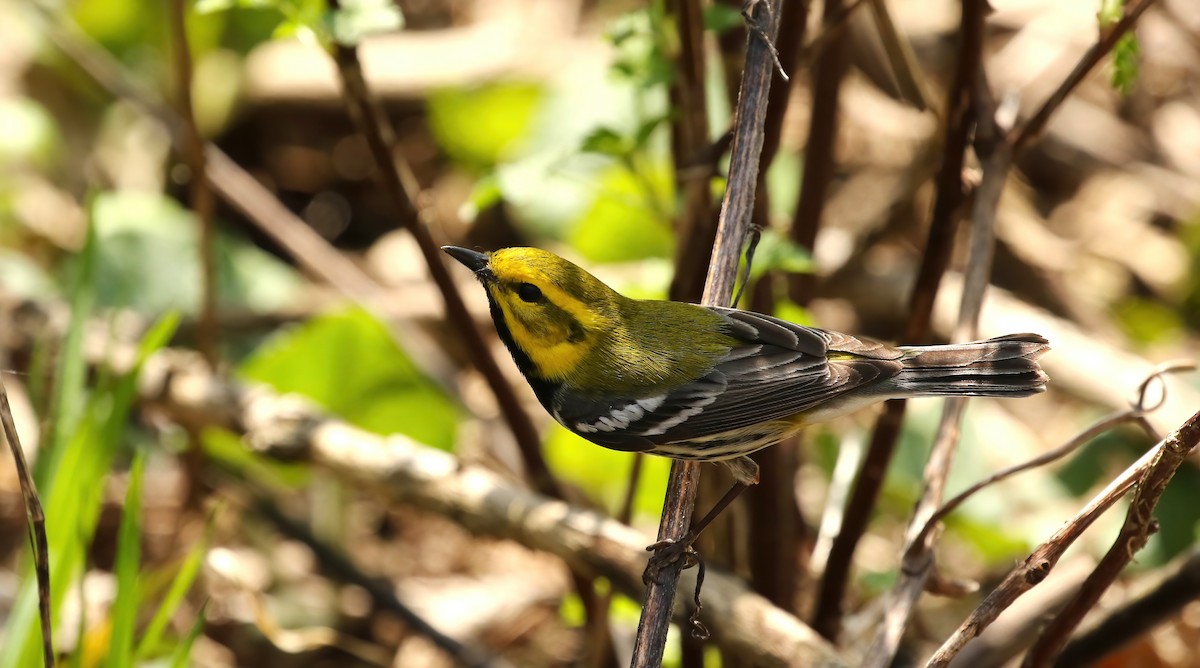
{"type": "Point", "coordinates": [474, 260]}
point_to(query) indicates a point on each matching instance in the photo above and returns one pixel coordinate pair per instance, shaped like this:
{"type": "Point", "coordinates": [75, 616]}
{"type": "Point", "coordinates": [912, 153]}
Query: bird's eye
{"type": "Point", "coordinates": [528, 292]}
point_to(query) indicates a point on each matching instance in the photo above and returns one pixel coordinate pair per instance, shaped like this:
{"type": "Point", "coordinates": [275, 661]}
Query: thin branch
{"type": "Point", "coordinates": [201, 197]}
{"type": "Point", "coordinates": [776, 534]}
{"type": "Point", "coordinates": [696, 224]}
{"type": "Point", "coordinates": [828, 71]}
{"type": "Point", "coordinates": [1020, 137]}
{"type": "Point", "coordinates": [1037, 566]}
{"type": "Point", "coordinates": [736, 211]}
{"type": "Point", "coordinates": [36, 517]}
{"type": "Point", "coordinates": [900, 56]}
{"type": "Point", "coordinates": [1139, 524]}
{"type": "Point", "coordinates": [1136, 616]}
{"type": "Point", "coordinates": [950, 196]}
{"type": "Point", "coordinates": [1133, 414]}
{"type": "Point", "coordinates": [399, 185]}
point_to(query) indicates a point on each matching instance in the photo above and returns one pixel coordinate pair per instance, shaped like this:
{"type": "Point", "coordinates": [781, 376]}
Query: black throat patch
{"type": "Point", "coordinates": [542, 388]}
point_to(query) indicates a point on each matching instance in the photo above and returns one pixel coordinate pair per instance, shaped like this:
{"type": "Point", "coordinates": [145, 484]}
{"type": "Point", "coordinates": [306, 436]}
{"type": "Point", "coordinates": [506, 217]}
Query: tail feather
{"type": "Point", "coordinates": [1005, 366]}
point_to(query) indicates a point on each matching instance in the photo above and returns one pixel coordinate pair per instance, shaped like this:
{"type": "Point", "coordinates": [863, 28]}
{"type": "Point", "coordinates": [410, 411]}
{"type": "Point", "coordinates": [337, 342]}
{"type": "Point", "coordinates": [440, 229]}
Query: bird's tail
{"type": "Point", "coordinates": [1005, 366]}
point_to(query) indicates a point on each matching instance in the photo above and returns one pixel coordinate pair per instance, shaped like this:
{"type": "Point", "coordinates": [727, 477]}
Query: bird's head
{"type": "Point", "coordinates": [547, 308]}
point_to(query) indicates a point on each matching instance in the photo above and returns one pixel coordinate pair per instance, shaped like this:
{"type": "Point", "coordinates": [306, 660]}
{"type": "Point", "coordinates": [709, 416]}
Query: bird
{"type": "Point", "coordinates": [710, 383]}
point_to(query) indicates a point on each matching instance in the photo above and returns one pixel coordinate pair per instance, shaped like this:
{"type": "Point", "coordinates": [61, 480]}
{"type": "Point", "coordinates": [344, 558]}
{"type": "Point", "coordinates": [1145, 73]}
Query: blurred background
{"type": "Point", "coordinates": [583, 127]}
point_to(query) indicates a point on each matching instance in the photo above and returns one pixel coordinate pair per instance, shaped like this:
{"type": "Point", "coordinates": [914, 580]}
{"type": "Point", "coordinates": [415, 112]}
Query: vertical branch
{"type": "Point", "coordinates": [917, 562]}
{"type": "Point", "coordinates": [689, 148]}
{"type": "Point", "coordinates": [776, 529]}
{"type": "Point", "coordinates": [950, 195]}
{"type": "Point", "coordinates": [201, 197]}
{"type": "Point", "coordinates": [829, 69]}
{"type": "Point", "coordinates": [736, 210]}
{"type": "Point", "coordinates": [1139, 524]}
{"type": "Point", "coordinates": [36, 517]}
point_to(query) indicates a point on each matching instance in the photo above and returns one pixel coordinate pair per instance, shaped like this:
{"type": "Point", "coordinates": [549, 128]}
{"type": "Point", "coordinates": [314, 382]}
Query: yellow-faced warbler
{"type": "Point", "coordinates": [708, 383]}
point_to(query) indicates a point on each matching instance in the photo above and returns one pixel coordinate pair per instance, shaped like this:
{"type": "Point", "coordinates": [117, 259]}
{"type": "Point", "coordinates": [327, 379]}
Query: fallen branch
{"type": "Point", "coordinates": [742, 622]}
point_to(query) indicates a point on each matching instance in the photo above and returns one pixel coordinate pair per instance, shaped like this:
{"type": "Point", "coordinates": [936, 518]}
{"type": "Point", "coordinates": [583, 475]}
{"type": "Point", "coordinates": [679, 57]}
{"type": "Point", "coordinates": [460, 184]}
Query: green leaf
{"type": "Point", "coordinates": [349, 364]}
{"type": "Point", "coordinates": [226, 449]}
{"type": "Point", "coordinates": [719, 17]}
{"type": "Point", "coordinates": [357, 19]}
{"type": "Point", "coordinates": [74, 496]}
{"type": "Point", "coordinates": [776, 252]}
{"type": "Point", "coordinates": [180, 585]}
{"type": "Point", "coordinates": [125, 607]}
{"type": "Point", "coordinates": [485, 194]}
{"type": "Point", "coordinates": [606, 141]}
{"type": "Point", "coordinates": [147, 259]}
{"type": "Point", "coordinates": [183, 652]}
{"type": "Point", "coordinates": [1125, 52]}
{"type": "Point", "coordinates": [604, 473]}
{"type": "Point", "coordinates": [628, 220]}
{"type": "Point", "coordinates": [481, 126]}
{"type": "Point", "coordinates": [1125, 63]}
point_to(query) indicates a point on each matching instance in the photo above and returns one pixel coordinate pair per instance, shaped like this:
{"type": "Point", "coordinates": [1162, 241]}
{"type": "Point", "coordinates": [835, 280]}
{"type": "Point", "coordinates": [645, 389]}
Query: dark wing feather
{"type": "Point", "coordinates": [776, 370]}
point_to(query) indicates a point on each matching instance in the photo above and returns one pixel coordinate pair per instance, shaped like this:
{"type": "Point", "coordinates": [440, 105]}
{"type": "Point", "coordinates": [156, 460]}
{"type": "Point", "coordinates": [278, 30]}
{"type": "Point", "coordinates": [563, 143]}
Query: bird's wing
{"type": "Point", "coordinates": [777, 369]}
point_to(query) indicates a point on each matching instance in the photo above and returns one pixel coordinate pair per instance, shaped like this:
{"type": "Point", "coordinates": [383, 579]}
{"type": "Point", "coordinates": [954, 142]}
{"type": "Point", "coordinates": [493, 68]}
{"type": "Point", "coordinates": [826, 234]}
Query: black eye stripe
{"type": "Point", "coordinates": [528, 292]}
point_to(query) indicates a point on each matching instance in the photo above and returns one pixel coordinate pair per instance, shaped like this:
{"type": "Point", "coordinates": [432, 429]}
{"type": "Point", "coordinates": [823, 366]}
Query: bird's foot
{"type": "Point", "coordinates": [668, 552]}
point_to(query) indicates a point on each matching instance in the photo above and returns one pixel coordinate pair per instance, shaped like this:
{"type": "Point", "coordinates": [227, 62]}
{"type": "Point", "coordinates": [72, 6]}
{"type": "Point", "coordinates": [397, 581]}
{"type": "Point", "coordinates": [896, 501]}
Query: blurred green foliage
{"type": "Point", "coordinates": [1125, 53]}
{"type": "Point", "coordinates": [349, 363]}
{"type": "Point", "coordinates": [480, 127]}
{"type": "Point", "coordinates": [604, 473]}
{"type": "Point", "coordinates": [147, 260]}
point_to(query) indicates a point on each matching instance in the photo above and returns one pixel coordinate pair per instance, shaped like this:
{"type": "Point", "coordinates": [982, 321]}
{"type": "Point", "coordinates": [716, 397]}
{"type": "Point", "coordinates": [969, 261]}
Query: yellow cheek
{"type": "Point", "coordinates": [554, 360]}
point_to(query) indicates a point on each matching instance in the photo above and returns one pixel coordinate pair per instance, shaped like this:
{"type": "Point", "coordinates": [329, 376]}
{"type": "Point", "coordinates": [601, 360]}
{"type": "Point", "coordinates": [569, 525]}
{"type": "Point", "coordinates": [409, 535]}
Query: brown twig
{"type": "Point", "coordinates": [399, 185]}
{"type": "Point", "coordinates": [1026, 132]}
{"type": "Point", "coordinates": [775, 531]}
{"type": "Point", "coordinates": [201, 197]}
{"type": "Point", "coordinates": [736, 210]}
{"type": "Point", "coordinates": [696, 224]}
{"type": "Point", "coordinates": [950, 196]}
{"type": "Point", "coordinates": [900, 56]}
{"type": "Point", "coordinates": [36, 517]}
{"type": "Point", "coordinates": [1136, 616]}
{"type": "Point", "coordinates": [1034, 569]}
{"type": "Point", "coordinates": [829, 69]}
{"type": "Point", "coordinates": [1139, 524]}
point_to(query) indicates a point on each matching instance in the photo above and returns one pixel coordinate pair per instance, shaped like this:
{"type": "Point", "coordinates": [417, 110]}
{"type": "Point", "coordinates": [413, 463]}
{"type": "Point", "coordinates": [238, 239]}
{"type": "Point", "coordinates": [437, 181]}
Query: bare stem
{"type": "Point", "coordinates": [400, 187]}
{"type": "Point", "coordinates": [1139, 524]}
{"type": "Point", "coordinates": [37, 525]}
{"type": "Point", "coordinates": [950, 197]}
{"type": "Point", "coordinates": [200, 195]}
{"type": "Point", "coordinates": [733, 224]}
{"type": "Point", "coordinates": [1020, 137]}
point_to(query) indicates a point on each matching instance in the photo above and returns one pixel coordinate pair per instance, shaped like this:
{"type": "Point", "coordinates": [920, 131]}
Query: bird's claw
{"type": "Point", "coordinates": [666, 553]}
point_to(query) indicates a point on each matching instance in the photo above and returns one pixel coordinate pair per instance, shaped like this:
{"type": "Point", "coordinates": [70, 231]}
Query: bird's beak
{"type": "Point", "coordinates": [474, 260]}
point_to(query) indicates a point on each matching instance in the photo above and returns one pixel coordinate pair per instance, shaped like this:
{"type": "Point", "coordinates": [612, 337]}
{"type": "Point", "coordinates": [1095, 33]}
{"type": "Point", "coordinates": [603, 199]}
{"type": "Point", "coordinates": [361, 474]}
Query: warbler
{"type": "Point", "coordinates": [704, 382]}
